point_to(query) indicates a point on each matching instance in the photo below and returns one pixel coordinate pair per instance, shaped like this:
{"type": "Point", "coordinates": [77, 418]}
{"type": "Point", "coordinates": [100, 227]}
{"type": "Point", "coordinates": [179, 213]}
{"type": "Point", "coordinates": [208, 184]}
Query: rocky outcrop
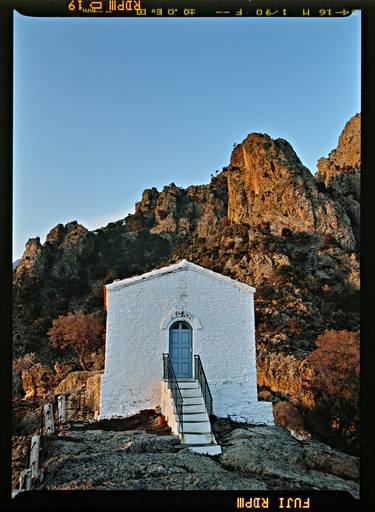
{"type": "Point", "coordinates": [264, 451]}
{"type": "Point", "coordinates": [132, 460]}
{"type": "Point", "coordinates": [267, 183]}
{"type": "Point", "coordinates": [75, 381]}
{"type": "Point", "coordinates": [347, 155]}
{"type": "Point", "coordinates": [339, 174]}
{"type": "Point", "coordinates": [38, 381]}
{"type": "Point", "coordinates": [72, 243]}
{"type": "Point", "coordinates": [48, 277]}
{"type": "Point", "coordinates": [76, 245]}
{"type": "Point", "coordinates": [176, 211]}
{"type": "Point", "coordinates": [92, 394]}
{"type": "Point", "coordinates": [33, 263]}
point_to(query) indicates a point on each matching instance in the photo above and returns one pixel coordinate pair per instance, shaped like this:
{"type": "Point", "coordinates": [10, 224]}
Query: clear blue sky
{"type": "Point", "coordinates": [104, 108]}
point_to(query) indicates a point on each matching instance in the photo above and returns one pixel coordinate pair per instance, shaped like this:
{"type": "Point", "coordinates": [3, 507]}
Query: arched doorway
{"type": "Point", "coordinates": [180, 349]}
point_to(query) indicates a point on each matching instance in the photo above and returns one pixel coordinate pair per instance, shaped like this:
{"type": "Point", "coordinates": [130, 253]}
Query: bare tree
{"type": "Point", "coordinates": [82, 331]}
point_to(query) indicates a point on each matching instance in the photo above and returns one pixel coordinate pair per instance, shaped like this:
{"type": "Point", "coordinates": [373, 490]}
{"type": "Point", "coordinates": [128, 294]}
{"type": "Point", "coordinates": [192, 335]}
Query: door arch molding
{"type": "Point", "coordinates": [175, 316]}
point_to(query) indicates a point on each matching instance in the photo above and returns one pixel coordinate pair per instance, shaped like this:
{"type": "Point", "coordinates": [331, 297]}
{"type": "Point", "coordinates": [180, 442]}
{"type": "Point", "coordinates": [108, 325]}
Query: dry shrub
{"type": "Point", "coordinates": [324, 386]}
{"type": "Point", "coordinates": [335, 383]}
{"type": "Point", "coordinates": [335, 364]}
{"type": "Point", "coordinates": [285, 374]}
{"type": "Point", "coordinates": [24, 362]}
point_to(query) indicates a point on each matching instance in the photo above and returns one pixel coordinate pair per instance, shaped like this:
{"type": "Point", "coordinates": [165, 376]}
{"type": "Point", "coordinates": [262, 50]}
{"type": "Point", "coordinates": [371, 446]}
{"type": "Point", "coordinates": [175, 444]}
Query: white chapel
{"type": "Point", "coordinates": [182, 338]}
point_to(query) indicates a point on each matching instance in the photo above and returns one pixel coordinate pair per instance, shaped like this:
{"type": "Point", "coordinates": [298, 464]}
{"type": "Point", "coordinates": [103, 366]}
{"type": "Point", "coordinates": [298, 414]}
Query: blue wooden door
{"type": "Point", "coordinates": [180, 349]}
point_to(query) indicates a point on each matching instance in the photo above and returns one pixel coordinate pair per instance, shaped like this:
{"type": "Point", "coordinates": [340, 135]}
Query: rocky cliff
{"type": "Point", "coordinates": [268, 183]}
{"type": "Point", "coordinates": [339, 174]}
{"type": "Point", "coordinates": [265, 220]}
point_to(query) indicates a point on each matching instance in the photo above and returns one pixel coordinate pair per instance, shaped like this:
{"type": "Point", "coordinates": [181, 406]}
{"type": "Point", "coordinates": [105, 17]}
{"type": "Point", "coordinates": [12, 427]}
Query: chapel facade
{"type": "Point", "coordinates": [182, 338]}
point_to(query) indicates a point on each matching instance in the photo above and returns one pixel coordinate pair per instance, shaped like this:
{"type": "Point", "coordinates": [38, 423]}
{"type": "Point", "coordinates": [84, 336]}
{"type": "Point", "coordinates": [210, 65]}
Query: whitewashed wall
{"type": "Point", "coordinates": [140, 313]}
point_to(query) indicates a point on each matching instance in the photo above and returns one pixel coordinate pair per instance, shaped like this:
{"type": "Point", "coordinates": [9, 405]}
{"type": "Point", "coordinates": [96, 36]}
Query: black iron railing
{"type": "Point", "coordinates": [170, 377]}
{"type": "Point", "coordinates": [201, 377]}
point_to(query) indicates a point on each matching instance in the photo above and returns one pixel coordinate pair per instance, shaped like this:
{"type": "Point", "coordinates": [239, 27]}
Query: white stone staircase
{"type": "Point", "coordinates": [195, 431]}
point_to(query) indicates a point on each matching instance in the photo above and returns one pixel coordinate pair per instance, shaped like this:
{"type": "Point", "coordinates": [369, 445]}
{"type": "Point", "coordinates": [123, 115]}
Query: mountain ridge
{"type": "Point", "coordinates": [264, 220]}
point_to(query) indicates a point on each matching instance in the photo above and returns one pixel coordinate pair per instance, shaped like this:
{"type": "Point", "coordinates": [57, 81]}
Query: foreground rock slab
{"type": "Point", "coordinates": [272, 453]}
{"type": "Point", "coordinates": [255, 457]}
{"type": "Point", "coordinates": [132, 460]}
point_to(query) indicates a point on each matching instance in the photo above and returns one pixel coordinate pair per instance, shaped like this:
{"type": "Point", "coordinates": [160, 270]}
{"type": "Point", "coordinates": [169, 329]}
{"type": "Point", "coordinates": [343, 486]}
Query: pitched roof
{"type": "Point", "coordinates": [178, 267]}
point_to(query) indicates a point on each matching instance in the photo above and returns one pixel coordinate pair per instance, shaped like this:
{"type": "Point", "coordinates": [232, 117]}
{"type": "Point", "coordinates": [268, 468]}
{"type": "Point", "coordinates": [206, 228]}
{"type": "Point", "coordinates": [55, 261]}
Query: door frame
{"type": "Point", "coordinates": [168, 319]}
{"type": "Point", "coordinates": [191, 330]}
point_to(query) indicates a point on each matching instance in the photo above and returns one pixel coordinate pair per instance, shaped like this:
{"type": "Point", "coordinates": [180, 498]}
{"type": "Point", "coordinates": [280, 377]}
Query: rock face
{"type": "Point", "coordinates": [74, 244]}
{"type": "Point", "coordinates": [74, 381]}
{"type": "Point", "coordinates": [92, 395]}
{"type": "Point", "coordinates": [347, 156]}
{"type": "Point", "coordinates": [339, 174]}
{"type": "Point", "coordinates": [176, 211]}
{"type": "Point", "coordinates": [33, 262]}
{"type": "Point", "coordinates": [267, 183]}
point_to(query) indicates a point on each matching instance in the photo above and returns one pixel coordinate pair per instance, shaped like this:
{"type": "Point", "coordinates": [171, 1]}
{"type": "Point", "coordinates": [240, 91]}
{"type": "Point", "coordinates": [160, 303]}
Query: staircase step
{"type": "Point", "coordinates": [194, 416]}
{"type": "Point", "coordinates": [197, 427]}
{"type": "Point", "coordinates": [196, 433]}
{"type": "Point", "coordinates": [194, 408]}
{"type": "Point", "coordinates": [209, 449]}
{"type": "Point", "coordinates": [188, 384]}
{"type": "Point", "coordinates": [198, 439]}
{"type": "Point", "coordinates": [188, 392]}
{"type": "Point", "coordinates": [193, 400]}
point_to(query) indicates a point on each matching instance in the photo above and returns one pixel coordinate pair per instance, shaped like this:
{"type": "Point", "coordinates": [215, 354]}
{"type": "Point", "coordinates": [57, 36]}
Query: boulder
{"type": "Point", "coordinates": [38, 381]}
{"type": "Point", "coordinates": [92, 394]}
{"type": "Point", "coordinates": [320, 457]}
{"type": "Point", "coordinates": [271, 452]}
{"type": "Point", "coordinates": [74, 381]}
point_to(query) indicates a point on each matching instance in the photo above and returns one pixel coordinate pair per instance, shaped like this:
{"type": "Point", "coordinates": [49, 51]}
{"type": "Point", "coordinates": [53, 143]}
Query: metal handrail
{"type": "Point", "coordinates": [201, 377]}
{"type": "Point", "coordinates": [170, 377]}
